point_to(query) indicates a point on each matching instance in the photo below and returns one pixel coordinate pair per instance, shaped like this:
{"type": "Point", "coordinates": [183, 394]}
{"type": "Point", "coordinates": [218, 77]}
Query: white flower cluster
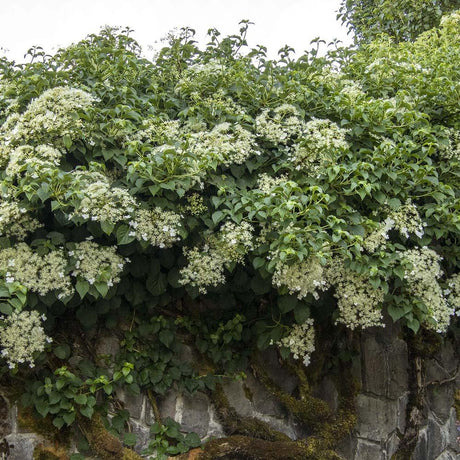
{"type": "Point", "coordinates": [227, 143]}
{"type": "Point", "coordinates": [15, 220]}
{"type": "Point", "coordinates": [322, 141]}
{"type": "Point", "coordinates": [95, 263]}
{"type": "Point", "coordinates": [405, 220]}
{"type": "Point", "coordinates": [303, 278]}
{"type": "Point", "coordinates": [40, 274]}
{"type": "Point", "coordinates": [280, 125]}
{"type": "Point", "coordinates": [21, 337]}
{"type": "Point", "coordinates": [206, 267]}
{"type": "Point", "coordinates": [266, 183]}
{"type": "Point", "coordinates": [25, 155]}
{"type": "Point", "coordinates": [48, 118]}
{"type": "Point", "coordinates": [358, 301]}
{"type": "Point", "coordinates": [378, 238]}
{"type": "Point", "coordinates": [195, 205]}
{"type": "Point", "coordinates": [300, 341]}
{"type": "Point", "coordinates": [452, 150]}
{"type": "Point", "coordinates": [101, 202]}
{"type": "Point", "coordinates": [421, 277]}
{"type": "Point", "coordinates": [234, 241]}
{"type": "Point", "coordinates": [156, 132]}
{"type": "Point", "coordinates": [453, 293]}
{"type": "Point", "coordinates": [156, 226]}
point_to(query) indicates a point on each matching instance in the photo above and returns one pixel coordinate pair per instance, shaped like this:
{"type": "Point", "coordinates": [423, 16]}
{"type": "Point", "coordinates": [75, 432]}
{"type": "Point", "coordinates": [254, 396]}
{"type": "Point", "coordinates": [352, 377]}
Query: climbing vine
{"type": "Point", "coordinates": [216, 199]}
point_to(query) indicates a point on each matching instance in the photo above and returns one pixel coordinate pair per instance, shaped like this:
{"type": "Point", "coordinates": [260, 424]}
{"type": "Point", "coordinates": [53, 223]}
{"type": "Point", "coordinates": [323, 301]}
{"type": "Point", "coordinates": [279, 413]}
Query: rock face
{"type": "Point", "coordinates": [382, 405]}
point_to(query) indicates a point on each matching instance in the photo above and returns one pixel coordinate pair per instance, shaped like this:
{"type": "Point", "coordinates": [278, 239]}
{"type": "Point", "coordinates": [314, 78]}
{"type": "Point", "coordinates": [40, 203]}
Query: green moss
{"type": "Point", "coordinates": [42, 452]}
{"type": "Point", "coordinates": [28, 421]}
{"type": "Point", "coordinates": [234, 424]}
{"type": "Point", "coordinates": [239, 447]}
{"type": "Point", "coordinates": [104, 444]}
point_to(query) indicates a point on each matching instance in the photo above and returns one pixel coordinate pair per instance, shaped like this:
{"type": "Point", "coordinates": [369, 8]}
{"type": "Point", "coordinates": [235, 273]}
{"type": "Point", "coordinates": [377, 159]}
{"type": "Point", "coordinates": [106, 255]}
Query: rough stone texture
{"type": "Point", "coordinates": [22, 445]}
{"type": "Point", "coordinates": [5, 419]}
{"type": "Point", "coordinates": [195, 414]}
{"type": "Point", "coordinates": [378, 418]}
{"type": "Point", "coordinates": [381, 404]}
{"type": "Point", "coordinates": [384, 363]}
{"type": "Point", "coordinates": [366, 450]}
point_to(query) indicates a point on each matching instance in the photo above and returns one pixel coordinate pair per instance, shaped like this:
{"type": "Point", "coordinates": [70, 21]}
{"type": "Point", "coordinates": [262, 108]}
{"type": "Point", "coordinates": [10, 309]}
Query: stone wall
{"type": "Point", "coordinates": [384, 406]}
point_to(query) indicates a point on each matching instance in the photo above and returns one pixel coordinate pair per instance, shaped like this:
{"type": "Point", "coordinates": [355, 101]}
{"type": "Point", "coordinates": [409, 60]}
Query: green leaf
{"type": "Point", "coordinates": [217, 216]}
{"type": "Point", "coordinates": [123, 236]}
{"type": "Point", "coordinates": [301, 312]}
{"type": "Point", "coordinates": [107, 227]}
{"type": "Point", "coordinates": [102, 288]}
{"type": "Point", "coordinates": [62, 351]}
{"type": "Point", "coordinates": [129, 439]}
{"type": "Point", "coordinates": [166, 337]}
{"type": "Point", "coordinates": [42, 407]}
{"type": "Point", "coordinates": [286, 303]}
{"type": "Point", "coordinates": [58, 422]}
{"type": "Point", "coordinates": [67, 141]}
{"type": "Point", "coordinates": [81, 399]}
{"type": "Point", "coordinates": [87, 411]}
{"type": "Point", "coordinates": [69, 418]}
{"type": "Point", "coordinates": [82, 287]}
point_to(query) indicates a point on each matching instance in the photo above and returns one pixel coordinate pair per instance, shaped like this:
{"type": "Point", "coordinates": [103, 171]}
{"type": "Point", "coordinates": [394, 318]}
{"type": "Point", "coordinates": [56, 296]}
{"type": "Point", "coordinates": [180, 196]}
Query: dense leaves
{"type": "Point", "coordinates": [218, 198]}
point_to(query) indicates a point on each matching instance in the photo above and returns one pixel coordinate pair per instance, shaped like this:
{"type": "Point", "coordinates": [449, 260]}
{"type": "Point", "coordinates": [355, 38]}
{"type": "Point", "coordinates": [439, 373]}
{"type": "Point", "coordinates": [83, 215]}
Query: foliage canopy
{"type": "Point", "coordinates": [220, 195]}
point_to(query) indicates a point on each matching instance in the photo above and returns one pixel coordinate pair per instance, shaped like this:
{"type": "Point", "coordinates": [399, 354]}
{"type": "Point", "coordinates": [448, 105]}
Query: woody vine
{"type": "Point", "coordinates": [220, 195]}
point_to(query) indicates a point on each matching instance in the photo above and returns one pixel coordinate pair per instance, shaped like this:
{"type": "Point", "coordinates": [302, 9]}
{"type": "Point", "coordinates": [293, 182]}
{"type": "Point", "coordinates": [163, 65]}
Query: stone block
{"type": "Point", "coordinates": [366, 450]}
{"type": "Point", "coordinates": [195, 414]}
{"type": "Point", "coordinates": [384, 366]}
{"type": "Point", "coordinates": [377, 418]}
{"type": "Point", "coordinates": [327, 391]}
{"type": "Point", "coordinates": [5, 419]}
{"type": "Point", "coordinates": [22, 445]}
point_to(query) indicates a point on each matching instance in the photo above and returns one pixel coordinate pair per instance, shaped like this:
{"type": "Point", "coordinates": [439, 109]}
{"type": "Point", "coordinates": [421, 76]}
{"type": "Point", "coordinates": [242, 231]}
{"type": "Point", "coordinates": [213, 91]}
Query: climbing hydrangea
{"type": "Point", "coordinates": [22, 337]}
{"type": "Point", "coordinates": [156, 226]}
{"type": "Point", "coordinates": [101, 202]}
{"type": "Point", "coordinates": [301, 278]}
{"type": "Point", "coordinates": [15, 220]}
{"type": "Point", "coordinates": [422, 274]}
{"type": "Point", "coordinates": [300, 341]}
{"type": "Point", "coordinates": [226, 143]}
{"type": "Point", "coordinates": [95, 263]}
{"type": "Point", "coordinates": [206, 267]}
{"type": "Point", "coordinates": [41, 274]}
{"type": "Point", "coordinates": [26, 155]}
{"type": "Point", "coordinates": [359, 302]}
{"type": "Point", "coordinates": [48, 118]}
{"type": "Point", "coordinates": [280, 125]}
{"type": "Point", "coordinates": [322, 142]}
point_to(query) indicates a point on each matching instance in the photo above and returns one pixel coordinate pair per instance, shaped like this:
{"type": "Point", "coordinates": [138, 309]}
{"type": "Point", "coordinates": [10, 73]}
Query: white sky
{"type": "Point", "coordinates": [55, 23]}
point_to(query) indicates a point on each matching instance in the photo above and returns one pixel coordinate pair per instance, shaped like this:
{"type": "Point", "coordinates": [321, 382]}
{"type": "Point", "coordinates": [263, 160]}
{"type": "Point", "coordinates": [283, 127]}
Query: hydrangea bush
{"type": "Point", "coordinates": [221, 194]}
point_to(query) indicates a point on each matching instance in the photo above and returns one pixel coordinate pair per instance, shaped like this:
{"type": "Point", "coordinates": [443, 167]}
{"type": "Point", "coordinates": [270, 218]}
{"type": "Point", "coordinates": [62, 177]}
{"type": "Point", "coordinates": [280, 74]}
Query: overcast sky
{"type": "Point", "coordinates": [55, 23]}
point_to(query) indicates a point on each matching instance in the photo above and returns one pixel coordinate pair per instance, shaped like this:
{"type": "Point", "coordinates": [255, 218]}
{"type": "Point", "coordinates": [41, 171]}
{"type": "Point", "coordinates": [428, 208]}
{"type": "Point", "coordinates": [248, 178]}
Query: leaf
{"type": "Point", "coordinates": [62, 351]}
{"type": "Point", "coordinates": [129, 439]}
{"type": "Point", "coordinates": [81, 399]}
{"type": "Point", "coordinates": [42, 407]}
{"type": "Point", "coordinates": [166, 337]}
{"type": "Point", "coordinates": [87, 411]}
{"type": "Point", "coordinates": [217, 216]}
{"type": "Point", "coordinates": [82, 287]}
{"type": "Point", "coordinates": [69, 418]}
{"type": "Point", "coordinates": [301, 312]}
{"type": "Point", "coordinates": [123, 236]}
{"type": "Point", "coordinates": [102, 288]}
{"type": "Point", "coordinates": [107, 227]}
{"type": "Point", "coordinates": [58, 422]}
{"type": "Point", "coordinates": [286, 303]}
